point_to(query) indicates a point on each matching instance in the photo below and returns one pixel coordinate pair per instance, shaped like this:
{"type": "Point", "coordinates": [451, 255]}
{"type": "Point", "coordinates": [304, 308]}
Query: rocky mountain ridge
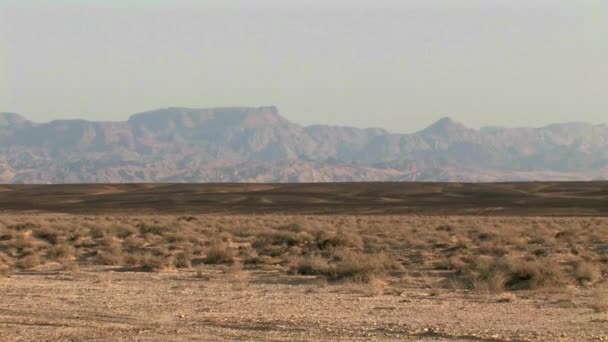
{"type": "Point", "coordinates": [239, 144]}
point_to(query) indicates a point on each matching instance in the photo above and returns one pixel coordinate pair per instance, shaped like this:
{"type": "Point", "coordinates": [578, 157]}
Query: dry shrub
{"type": "Point", "coordinates": [61, 252]}
{"type": "Point", "coordinates": [124, 231]}
{"type": "Point", "coordinates": [489, 254]}
{"type": "Point", "coordinates": [150, 262]}
{"type": "Point", "coordinates": [108, 258]}
{"type": "Point", "coordinates": [486, 273]}
{"type": "Point", "coordinates": [187, 218]}
{"type": "Point", "coordinates": [109, 252]}
{"type": "Point", "coordinates": [179, 237]}
{"type": "Point", "coordinates": [152, 229]}
{"type": "Point", "coordinates": [585, 272]}
{"type": "Point", "coordinates": [48, 234]}
{"type": "Point", "coordinates": [237, 277]}
{"type": "Point", "coordinates": [342, 238]}
{"type": "Point", "coordinates": [274, 243]}
{"type": "Point", "coordinates": [133, 243]}
{"type": "Point", "coordinates": [29, 261]}
{"type": "Point", "coordinates": [526, 274]}
{"type": "Point", "coordinates": [5, 270]}
{"type": "Point", "coordinates": [363, 268]}
{"type": "Point", "coordinates": [157, 258]}
{"type": "Point", "coordinates": [496, 274]}
{"type": "Point", "coordinates": [599, 299]}
{"type": "Point", "coordinates": [219, 253]}
{"type": "Point", "coordinates": [5, 265]}
{"type": "Point", "coordinates": [348, 266]}
{"type": "Point", "coordinates": [373, 288]}
{"type": "Point", "coordinates": [70, 266]}
{"type": "Point", "coordinates": [24, 226]}
{"type": "Point", "coordinates": [182, 260]}
{"type": "Point", "coordinates": [5, 259]}
{"type": "Point", "coordinates": [257, 260]}
{"type": "Point", "coordinates": [508, 297]}
{"type": "Point", "coordinates": [98, 231]}
{"type": "Point", "coordinates": [6, 235]}
{"type": "Point", "coordinates": [309, 265]}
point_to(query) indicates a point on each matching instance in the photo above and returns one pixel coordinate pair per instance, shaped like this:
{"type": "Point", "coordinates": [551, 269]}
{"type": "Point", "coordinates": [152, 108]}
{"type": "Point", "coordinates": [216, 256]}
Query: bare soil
{"type": "Point", "coordinates": [99, 304]}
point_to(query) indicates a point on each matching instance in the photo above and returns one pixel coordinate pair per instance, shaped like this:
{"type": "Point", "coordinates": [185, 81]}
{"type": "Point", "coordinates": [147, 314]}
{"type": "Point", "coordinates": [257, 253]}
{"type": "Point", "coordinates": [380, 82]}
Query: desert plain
{"type": "Point", "coordinates": [304, 262]}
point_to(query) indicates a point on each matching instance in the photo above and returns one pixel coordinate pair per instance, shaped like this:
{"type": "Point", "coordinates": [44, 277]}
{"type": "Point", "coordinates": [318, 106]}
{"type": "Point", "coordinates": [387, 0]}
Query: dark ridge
{"type": "Point", "coordinates": [495, 199]}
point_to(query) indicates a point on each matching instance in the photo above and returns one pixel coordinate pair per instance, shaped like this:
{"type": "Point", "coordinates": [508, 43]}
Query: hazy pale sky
{"type": "Point", "coordinates": [397, 64]}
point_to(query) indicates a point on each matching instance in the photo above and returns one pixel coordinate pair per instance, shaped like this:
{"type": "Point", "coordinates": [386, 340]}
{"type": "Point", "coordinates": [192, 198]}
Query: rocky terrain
{"type": "Point", "coordinates": [259, 145]}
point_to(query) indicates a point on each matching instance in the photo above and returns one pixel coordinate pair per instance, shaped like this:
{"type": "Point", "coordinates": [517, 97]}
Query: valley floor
{"type": "Point", "coordinates": [100, 305]}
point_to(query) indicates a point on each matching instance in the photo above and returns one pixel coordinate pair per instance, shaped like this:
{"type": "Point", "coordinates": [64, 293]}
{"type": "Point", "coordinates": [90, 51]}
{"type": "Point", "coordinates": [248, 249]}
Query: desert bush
{"type": "Point", "coordinates": [309, 265]}
{"type": "Point", "coordinates": [125, 231]}
{"type": "Point", "coordinates": [182, 260]}
{"type": "Point", "coordinates": [133, 243]}
{"type": "Point", "coordinates": [496, 274]}
{"type": "Point", "coordinates": [153, 229]}
{"type": "Point", "coordinates": [151, 262]}
{"type": "Point", "coordinates": [269, 239]}
{"type": "Point", "coordinates": [485, 273]}
{"type": "Point", "coordinates": [5, 270]}
{"type": "Point", "coordinates": [490, 254]}
{"type": "Point", "coordinates": [98, 231]}
{"type": "Point", "coordinates": [274, 243]}
{"type": "Point", "coordinates": [187, 218]}
{"type": "Point", "coordinates": [60, 252]}
{"type": "Point", "coordinates": [586, 272]}
{"type": "Point", "coordinates": [5, 265]}
{"type": "Point", "coordinates": [6, 235]}
{"type": "Point", "coordinates": [29, 261]}
{"type": "Point", "coordinates": [358, 267]}
{"type": "Point", "coordinates": [219, 253]}
{"type": "Point", "coordinates": [24, 226]}
{"type": "Point", "coordinates": [104, 257]}
{"type": "Point", "coordinates": [342, 238]}
{"type": "Point", "coordinates": [70, 266]}
{"type": "Point", "coordinates": [599, 300]}
{"type": "Point", "coordinates": [524, 274]}
{"type": "Point", "coordinates": [4, 258]}
{"type": "Point", "coordinates": [257, 260]}
{"type": "Point", "coordinates": [349, 266]}
{"type": "Point", "coordinates": [48, 234]}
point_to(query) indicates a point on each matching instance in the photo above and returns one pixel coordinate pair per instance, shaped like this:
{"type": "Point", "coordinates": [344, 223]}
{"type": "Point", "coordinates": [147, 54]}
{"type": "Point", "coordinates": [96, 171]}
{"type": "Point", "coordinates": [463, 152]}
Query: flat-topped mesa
{"type": "Point", "coordinates": [11, 119]}
{"type": "Point", "coordinates": [180, 117]}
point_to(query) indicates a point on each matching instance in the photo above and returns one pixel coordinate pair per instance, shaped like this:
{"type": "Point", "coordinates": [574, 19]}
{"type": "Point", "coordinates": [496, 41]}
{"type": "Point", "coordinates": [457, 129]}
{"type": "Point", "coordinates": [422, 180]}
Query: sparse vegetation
{"type": "Point", "coordinates": [586, 272]}
{"type": "Point", "coordinates": [482, 254]}
{"type": "Point", "coordinates": [600, 300]}
{"type": "Point", "coordinates": [219, 253]}
{"type": "Point", "coordinates": [506, 264]}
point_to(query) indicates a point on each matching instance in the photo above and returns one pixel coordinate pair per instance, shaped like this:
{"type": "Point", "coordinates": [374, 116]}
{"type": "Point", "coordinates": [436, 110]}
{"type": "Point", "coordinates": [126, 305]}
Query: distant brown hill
{"type": "Point", "coordinates": [361, 198]}
{"type": "Point", "coordinates": [259, 145]}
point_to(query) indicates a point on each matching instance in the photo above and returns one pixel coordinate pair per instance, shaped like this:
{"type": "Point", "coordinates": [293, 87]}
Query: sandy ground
{"type": "Point", "coordinates": [219, 303]}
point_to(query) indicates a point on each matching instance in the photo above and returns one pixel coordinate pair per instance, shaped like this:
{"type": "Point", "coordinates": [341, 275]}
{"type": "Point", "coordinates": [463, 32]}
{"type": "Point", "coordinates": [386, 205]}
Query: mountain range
{"type": "Point", "coordinates": [240, 144]}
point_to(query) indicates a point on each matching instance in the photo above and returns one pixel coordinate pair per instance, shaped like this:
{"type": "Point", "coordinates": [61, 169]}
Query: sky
{"type": "Point", "coordinates": [396, 64]}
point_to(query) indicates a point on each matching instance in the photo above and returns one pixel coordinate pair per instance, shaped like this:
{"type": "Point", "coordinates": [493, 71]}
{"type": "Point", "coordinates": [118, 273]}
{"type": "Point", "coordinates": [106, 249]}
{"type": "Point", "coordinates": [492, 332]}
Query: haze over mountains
{"type": "Point", "coordinates": [259, 145]}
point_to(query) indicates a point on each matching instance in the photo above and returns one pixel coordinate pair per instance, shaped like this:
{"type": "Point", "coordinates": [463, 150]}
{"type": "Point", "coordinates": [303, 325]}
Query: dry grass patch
{"type": "Point", "coordinates": [480, 253]}
{"type": "Point", "coordinates": [499, 273]}
{"type": "Point", "coordinates": [219, 253]}
{"type": "Point", "coordinates": [346, 265]}
{"type": "Point", "coordinates": [586, 272]}
{"type": "Point", "coordinates": [599, 300]}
